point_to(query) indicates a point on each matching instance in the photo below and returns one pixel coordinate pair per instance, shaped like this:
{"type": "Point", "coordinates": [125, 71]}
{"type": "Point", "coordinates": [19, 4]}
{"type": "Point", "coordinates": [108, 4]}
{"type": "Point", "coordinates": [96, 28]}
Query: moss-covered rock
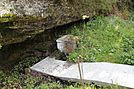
{"type": "Point", "coordinates": [22, 19]}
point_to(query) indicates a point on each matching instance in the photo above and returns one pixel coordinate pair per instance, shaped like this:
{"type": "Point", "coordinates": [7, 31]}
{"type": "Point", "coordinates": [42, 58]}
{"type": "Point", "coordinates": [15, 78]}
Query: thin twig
{"type": "Point", "coordinates": [81, 73]}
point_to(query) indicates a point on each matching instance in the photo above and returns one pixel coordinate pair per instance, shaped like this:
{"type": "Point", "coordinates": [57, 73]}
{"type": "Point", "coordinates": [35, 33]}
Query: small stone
{"type": "Point", "coordinates": [27, 70]}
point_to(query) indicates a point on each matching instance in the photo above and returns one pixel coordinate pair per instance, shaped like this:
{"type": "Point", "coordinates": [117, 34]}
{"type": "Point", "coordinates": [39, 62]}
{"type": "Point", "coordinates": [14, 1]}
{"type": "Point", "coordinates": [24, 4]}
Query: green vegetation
{"type": "Point", "coordinates": [107, 39]}
{"type": "Point", "coordinates": [101, 39]}
{"type": "Point", "coordinates": [6, 18]}
{"type": "Point", "coordinates": [26, 81]}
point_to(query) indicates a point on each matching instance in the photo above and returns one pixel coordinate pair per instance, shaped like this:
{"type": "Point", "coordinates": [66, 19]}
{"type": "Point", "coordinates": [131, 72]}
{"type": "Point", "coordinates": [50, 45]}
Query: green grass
{"type": "Point", "coordinates": [23, 81]}
{"type": "Point", "coordinates": [105, 39]}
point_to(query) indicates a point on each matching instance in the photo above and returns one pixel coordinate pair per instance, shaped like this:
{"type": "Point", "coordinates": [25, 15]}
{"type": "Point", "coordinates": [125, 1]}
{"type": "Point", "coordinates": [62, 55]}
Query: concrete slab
{"type": "Point", "coordinates": [98, 72]}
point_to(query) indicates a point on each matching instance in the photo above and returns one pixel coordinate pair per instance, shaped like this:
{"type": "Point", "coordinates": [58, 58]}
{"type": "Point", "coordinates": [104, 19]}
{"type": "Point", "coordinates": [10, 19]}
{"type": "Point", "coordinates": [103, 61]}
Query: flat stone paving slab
{"type": "Point", "coordinates": [97, 72]}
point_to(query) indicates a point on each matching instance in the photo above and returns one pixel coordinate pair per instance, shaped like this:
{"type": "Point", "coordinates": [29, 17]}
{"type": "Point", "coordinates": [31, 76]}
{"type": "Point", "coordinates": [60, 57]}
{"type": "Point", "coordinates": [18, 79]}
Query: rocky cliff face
{"type": "Point", "coordinates": [25, 19]}
{"type": "Point", "coordinates": [22, 19]}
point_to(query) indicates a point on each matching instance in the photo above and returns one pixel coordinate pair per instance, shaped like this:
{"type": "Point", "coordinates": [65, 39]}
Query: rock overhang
{"type": "Point", "coordinates": [27, 18]}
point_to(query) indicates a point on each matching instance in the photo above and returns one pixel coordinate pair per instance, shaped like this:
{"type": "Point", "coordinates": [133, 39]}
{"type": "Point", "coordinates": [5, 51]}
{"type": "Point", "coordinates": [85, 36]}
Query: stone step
{"type": "Point", "coordinates": [98, 72]}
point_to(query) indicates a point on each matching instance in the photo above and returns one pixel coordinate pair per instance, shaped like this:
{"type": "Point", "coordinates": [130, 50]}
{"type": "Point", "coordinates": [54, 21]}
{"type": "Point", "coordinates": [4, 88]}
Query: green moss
{"type": "Point", "coordinates": [8, 15]}
{"type": "Point", "coordinates": [13, 28]}
{"type": "Point", "coordinates": [0, 46]}
{"type": "Point", "coordinates": [100, 6]}
{"type": "Point", "coordinates": [7, 18]}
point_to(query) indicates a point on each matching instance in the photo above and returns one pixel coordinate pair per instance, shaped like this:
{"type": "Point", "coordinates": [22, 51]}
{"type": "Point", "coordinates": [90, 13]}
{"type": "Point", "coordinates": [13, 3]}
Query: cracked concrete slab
{"type": "Point", "coordinates": [98, 72]}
